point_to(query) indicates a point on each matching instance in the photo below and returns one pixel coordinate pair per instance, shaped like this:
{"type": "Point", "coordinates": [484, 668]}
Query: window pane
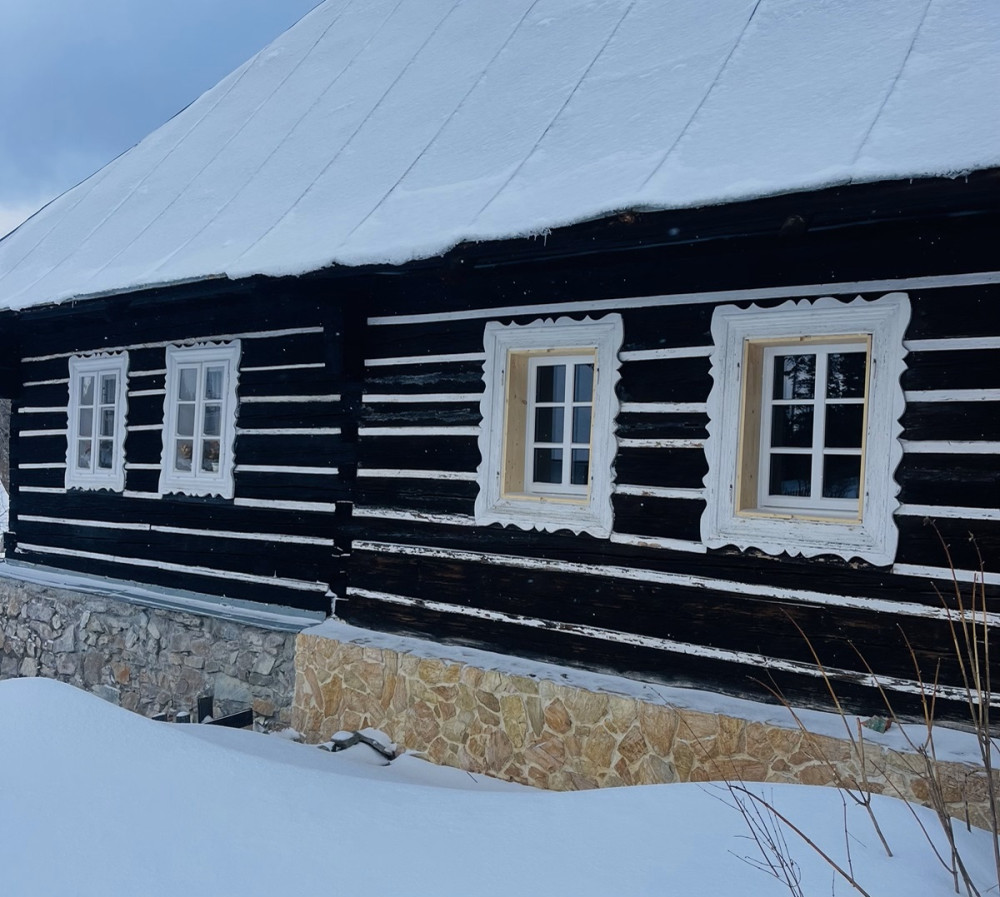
{"type": "Point", "coordinates": [548, 425]}
{"type": "Point", "coordinates": [107, 422]}
{"type": "Point", "coordinates": [86, 422]}
{"type": "Point", "coordinates": [83, 454]}
{"type": "Point", "coordinates": [182, 457]}
{"type": "Point", "coordinates": [583, 383]}
{"type": "Point", "coordinates": [213, 420]}
{"type": "Point", "coordinates": [188, 386]}
{"type": "Point", "coordinates": [105, 454]}
{"type": "Point", "coordinates": [579, 472]}
{"type": "Point", "coordinates": [841, 476]}
{"type": "Point", "coordinates": [792, 426]}
{"type": "Point", "coordinates": [108, 384]}
{"type": "Point", "coordinates": [210, 454]}
{"type": "Point", "coordinates": [790, 475]}
{"type": "Point", "coordinates": [213, 383]}
{"type": "Point", "coordinates": [581, 424]}
{"type": "Point", "coordinates": [844, 425]}
{"type": "Point", "coordinates": [845, 378]}
{"type": "Point", "coordinates": [548, 466]}
{"type": "Point", "coordinates": [794, 376]}
{"type": "Point", "coordinates": [550, 383]}
{"type": "Point", "coordinates": [86, 390]}
{"type": "Point", "coordinates": [185, 420]}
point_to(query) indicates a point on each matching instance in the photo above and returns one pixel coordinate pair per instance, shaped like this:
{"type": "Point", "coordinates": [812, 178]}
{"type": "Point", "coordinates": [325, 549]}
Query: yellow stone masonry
{"type": "Point", "coordinates": [564, 737]}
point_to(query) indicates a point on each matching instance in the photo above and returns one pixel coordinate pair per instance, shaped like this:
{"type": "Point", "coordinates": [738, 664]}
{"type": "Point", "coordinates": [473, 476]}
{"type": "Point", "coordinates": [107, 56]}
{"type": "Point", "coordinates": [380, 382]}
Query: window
{"type": "Point", "coordinates": [547, 440]}
{"type": "Point", "coordinates": [199, 423]}
{"type": "Point", "coordinates": [804, 426]}
{"type": "Point", "coordinates": [95, 435]}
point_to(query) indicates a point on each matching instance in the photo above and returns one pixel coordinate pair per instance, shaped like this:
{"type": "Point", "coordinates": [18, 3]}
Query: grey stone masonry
{"type": "Point", "coordinates": [149, 660]}
{"type": "Point", "coordinates": [5, 443]}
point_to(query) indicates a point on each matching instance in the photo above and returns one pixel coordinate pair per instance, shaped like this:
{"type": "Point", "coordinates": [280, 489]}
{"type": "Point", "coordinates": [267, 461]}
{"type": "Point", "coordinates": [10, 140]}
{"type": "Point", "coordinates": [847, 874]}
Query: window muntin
{"type": "Point", "coordinates": [560, 410]}
{"type": "Point", "coordinates": [95, 451]}
{"type": "Point", "coordinates": [775, 432]}
{"type": "Point", "coordinates": [200, 420]}
{"type": "Point", "coordinates": [547, 439]}
{"type": "Point", "coordinates": [812, 427]}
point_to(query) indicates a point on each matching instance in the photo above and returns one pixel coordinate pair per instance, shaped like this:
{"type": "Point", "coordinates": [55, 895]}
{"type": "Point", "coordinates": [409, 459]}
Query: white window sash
{"type": "Point", "coordinates": [93, 476]}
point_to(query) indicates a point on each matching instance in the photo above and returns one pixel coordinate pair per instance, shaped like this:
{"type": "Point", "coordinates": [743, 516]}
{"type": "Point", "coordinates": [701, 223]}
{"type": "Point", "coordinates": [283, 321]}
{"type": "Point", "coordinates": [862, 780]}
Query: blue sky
{"type": "Point", "coordinates": [83, 80]}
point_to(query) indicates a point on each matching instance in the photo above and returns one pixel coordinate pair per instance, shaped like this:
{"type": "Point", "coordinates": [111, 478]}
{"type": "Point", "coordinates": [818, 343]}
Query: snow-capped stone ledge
{"type": "Point", "coordinates": [519, 724]}
{"type": "Point", "coordinates": [146, 659]}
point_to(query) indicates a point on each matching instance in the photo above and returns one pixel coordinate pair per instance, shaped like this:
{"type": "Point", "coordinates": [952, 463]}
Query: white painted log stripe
{"type": "Point", "coordinates": [131, 465]}
{"type": "Point", "coordinates": [192, 569]}
{"type": "Point", "coordinates": [949, 447]}
{"type": "Point", "coordinates": [132, 493]}
{"type": "Point", "coordinates": [415, 516]}
{"type": "Point", "coordinates": [289, 431]}
{"type": "Point", "coordinates": [429, 398]}
{"type": "Point", "coordinates": [42, 433]}
{"type": "Point", "coordinates": [946, 573]}
{"type": "Point", "coordinates": [139, 428]}
{"type": "Point", "coordinates": [180, 530]}
{"type": "Point", "coordinates": [762, 661]}
{"type": "Point", "coordinates": [136, 393]}
{"type": "Point", "coordinates": [401, 474]}
{"type": "Point", "coordinates": [662, 443]}
{"type": "Point", "coordinates": [951, 344]}
{"type": "Point", "coordinates": [57, 409]}
{"type": "Point", "coordinates": [660, 543]}
{"type": "Point", "coordinates": [418, 431]}
{"type": "Point", "coordinates": [425, 359]}
{"type": "Point", "coordinates": [790, 292]}
{"type": "Point", "coordinates": [691, 581]}
{"type": "Point", "coordinates": [283, 367]}
{"type": "Point", "coordinates": [58, 382]}
{"type": "Point", "coordinates": [659, 491]}
{"type": "Point", "coordinates": [952, 395]}
{"type": "Point", "coordinates": [251, 400]}
{"type": "Point", "coordinates": [53, 465]}
{"type": "Point", "coordinates": [157, 373]}
{"type": "Point", "coordinates": [47, 490]}
{"type": "Point", "coordinates": [318, 507]}
{"type": "Point", "coordinates": [277, 468]}
{"type": "Point", "coordinates": [664, 407]}
{"type": "Point", "coordinates": [661, 354]}
{"type": "Point", "coordinates": [213, 338]}
{"type": "Point", "coordinates": [950, 513]}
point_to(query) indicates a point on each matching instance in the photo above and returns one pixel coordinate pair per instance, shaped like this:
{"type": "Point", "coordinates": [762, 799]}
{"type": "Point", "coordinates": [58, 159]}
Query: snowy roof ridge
{"type": "Point", "coordinates": [380, 131]}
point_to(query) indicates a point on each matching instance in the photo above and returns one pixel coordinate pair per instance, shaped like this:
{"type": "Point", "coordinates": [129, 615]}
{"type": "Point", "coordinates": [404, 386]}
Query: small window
{"type": "Point", "coordinates": [199, 427]}
{"type": "Point", "coordinates": [95, 449]}
{"type": "Point", "coordinates": [547, 439]}
{"type": "Point", "coordinates": [804, 426]}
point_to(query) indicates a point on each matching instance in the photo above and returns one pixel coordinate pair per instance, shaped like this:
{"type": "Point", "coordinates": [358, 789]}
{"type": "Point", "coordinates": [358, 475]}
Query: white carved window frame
{"type": "Point", "coordinates": [96, 366]}
{"type": "Point", "coordinates": [218, 482]}
{"type": "Point", "coordinates": [591, 512]}
{"type": "Point", "coordinates": [873, 535]}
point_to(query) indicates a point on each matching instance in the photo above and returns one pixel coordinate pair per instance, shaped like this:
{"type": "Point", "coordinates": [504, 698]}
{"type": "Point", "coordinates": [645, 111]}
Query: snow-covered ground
{"type": "Point", "coordinates": [96, 800]}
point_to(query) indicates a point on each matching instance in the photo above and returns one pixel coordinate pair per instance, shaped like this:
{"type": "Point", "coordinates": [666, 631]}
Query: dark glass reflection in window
{"type": "Point", "coordinates": [845, 375]}
{"type": "Point", "coordinates": [550, 384]}
{"type": "Point", "coordinates": [794, 376]}
{"type": "Point", "coordinates": [548, 465]}
{"type": "Point", "coordinates": [790, 475]}
{"type": "Point", "coordinates": [548, 424]}
{"type": "Point", "coordinates": [841, 476]}
{"type": "Point", "coordinates": [583, 383]}
{"type": "Point", "coordinates": [792, 426]}
{"type": "Point", "coordinates": [844, 425]}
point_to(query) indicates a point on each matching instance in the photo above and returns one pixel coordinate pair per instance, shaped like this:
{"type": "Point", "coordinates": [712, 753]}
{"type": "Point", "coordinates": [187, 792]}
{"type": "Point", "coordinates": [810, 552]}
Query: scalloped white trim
{"type": "Point", "coordinates": [113, 479]}
{"type": "Point", "coordinates": [875, 537]}
{"type": "Point", "coordinates": [595, 515]}
{"type": "Point", "coordinates": [219, 484]}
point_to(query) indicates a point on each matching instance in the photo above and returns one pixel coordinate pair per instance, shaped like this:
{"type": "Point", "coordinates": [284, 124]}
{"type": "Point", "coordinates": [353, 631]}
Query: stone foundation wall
{"type": "Point", "coordinates": [563, 737]}
{"type": "Point", "coordinates": [145, 659]}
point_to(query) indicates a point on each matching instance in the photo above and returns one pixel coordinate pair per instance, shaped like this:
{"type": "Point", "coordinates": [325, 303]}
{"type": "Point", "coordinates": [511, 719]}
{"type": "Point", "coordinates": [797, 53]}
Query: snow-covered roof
{"type": "Point", "coordinates": [379, 131]}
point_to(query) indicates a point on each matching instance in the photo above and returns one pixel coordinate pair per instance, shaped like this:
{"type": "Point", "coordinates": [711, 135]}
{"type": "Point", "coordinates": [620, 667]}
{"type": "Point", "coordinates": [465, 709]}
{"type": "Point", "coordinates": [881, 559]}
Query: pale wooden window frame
{"type": "Point", "coordinates": [218, 482]}
{"type": "Point", "coordinates": [97, 366]}
{"type": "Point", "coordinates": [734, 515]}
{"type": "Point", "coordinates": [503, 497]}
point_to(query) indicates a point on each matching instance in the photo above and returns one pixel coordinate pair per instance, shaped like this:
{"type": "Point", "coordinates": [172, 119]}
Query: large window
{"type": "Point", "coordinates": [804, 425]}
{"type": "Point", "coordinates": [547, 439]}
{"type": "Point", "coordinates": [95, 449]}
{"type": "Point", "coordinates": [199, 426]}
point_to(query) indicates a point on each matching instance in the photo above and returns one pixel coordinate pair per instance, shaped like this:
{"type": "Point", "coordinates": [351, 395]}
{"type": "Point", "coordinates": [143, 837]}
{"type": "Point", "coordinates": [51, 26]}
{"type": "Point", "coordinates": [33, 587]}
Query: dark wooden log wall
{"type": "Point", "coordinates": [650, 601]}
{"type": "Point", "coordinates": [282, 539]}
